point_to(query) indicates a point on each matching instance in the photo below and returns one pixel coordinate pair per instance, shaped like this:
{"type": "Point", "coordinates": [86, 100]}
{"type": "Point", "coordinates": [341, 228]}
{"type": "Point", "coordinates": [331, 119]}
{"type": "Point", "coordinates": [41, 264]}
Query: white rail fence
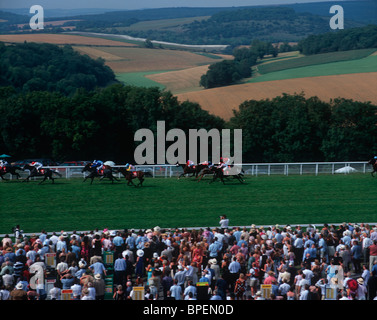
{"type": "Point", "coordinates": [252, 169]}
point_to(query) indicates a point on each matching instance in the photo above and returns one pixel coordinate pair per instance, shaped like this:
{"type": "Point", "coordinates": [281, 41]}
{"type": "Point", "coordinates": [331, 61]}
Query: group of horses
{"type": "Point", "coordinates": [201, 170]}
{"type": "Point", "coordinates": [198, 171]}
{"type": "Point", "coordinates": [47, 173]}
{"type": "Point", "coordinates": [107, 172]}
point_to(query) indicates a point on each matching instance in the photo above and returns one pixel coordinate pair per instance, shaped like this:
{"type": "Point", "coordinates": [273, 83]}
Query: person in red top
{"type": "Point", "coordinates": [372, 254]}
{"type": "Point", "coordinates": [270, 278]}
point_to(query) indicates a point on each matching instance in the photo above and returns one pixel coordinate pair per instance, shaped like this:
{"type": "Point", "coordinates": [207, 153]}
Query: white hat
{"type": "Point", "coordinates": [19, 286]}
{"type": "Point", "coordinates": [140, 253]}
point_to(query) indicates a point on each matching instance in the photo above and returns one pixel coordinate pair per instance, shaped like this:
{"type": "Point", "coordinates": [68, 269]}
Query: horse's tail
{"type": "Point", "coordinates": [57, 173]}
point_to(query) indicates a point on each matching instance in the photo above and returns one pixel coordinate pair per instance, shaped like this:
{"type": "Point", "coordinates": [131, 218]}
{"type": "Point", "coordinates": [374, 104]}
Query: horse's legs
{"type": "Point", "coordinates": [44, 179]}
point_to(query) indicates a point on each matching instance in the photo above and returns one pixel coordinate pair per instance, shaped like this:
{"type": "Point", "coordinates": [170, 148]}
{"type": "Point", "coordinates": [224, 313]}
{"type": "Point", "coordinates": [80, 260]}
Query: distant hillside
{"type": "Point", "coordinates": [364, 11]}
{"type": "Point", "coordinates": [233, 26]}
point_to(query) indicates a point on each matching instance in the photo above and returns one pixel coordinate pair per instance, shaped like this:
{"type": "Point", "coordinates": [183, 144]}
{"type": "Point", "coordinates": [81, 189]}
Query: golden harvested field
{"type": "Point", "coordinates": [221, 101]}
{"type": "Point", "coordinates": [143, 59]}
{"type": "Point", "coordinates": [61, 39]}
{"type": "Point", "coordinates": [181, 80]}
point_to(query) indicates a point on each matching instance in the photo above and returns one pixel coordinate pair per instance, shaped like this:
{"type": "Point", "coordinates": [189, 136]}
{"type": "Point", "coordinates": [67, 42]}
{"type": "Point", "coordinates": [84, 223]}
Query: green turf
{"type": "Point", "coordinates": [139, 79]}
{"type": "Point", "coordinates": [368, 64]}
{"type": "Point", "coordinates": [263, 200]}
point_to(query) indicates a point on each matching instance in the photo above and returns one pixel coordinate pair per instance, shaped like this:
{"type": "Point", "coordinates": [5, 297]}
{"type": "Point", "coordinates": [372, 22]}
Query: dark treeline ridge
{"type": "Point", "coordinates": [91, 124]}
{"type": "Point", "coordinates": [32, 66]}
{"type": "Point", "coordinates": [342, 40]}
{"type": "Point", "coordinates": [102, 123]}
{"type": "Point", "coordinates": [292, 128]}
{"type": "Point", "coordinates": [242, 25]}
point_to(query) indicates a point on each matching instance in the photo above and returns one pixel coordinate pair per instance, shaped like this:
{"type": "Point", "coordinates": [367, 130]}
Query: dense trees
{"type": "Point", "coordinates": [90, 124]}
{"type": "Point", "coordinates": [342, 40]}
{"type": "Point", "coordinates": [47, 67]}
{"type": "Point", "coordinates": [230, 71]}
{"type": "Point", "coordinates": [293, 128]}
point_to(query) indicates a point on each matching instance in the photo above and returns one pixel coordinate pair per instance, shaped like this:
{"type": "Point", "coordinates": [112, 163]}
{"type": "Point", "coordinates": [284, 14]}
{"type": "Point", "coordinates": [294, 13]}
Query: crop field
{"type": "Point", "coordinates": [61, 39]}
{"type": "Point", "coordinates": [169, 202]}
{"type": "Point", "coordinates": [316, 59]}
{"type": "Point", "coordinates": [123, 60]}
{"type": "Point", "coordinates": [163, 24]}
{"type": "Point", "coordinates": [366, 64]}
{"type": "Point", "coordinates": [185, 80]}
{"type": "Point", "coordinates": [140, 79]}
{"type": "Point", "coordinates": [222, 101]}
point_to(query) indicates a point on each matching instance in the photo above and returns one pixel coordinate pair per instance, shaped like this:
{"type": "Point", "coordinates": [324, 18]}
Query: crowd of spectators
{"type": "Point", "coordinates": [278, 262]}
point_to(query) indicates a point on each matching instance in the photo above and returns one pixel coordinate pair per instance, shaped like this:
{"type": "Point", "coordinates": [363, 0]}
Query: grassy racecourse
{"type": "Point", "coordinates": [263, 200]}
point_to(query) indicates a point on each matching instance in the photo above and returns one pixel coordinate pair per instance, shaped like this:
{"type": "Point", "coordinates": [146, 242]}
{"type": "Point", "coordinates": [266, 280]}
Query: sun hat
{"type": "Point", "coordinates": [140, 253]}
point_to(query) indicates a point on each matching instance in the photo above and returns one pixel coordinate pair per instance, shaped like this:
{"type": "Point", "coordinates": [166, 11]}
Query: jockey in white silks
{"type": "Point", "coordinates": [224, 164]}
{"type": "Point", "coordinates": [3, 164]}
{"type": "Point", "coordinates": [37, 165]}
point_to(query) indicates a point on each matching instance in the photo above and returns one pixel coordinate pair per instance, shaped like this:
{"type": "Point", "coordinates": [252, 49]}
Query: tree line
{"type": "Point", "coordinates": [102, 124]}
{"type": "Point", "coordinates": [341, 40]}
{"type": "Point", "coordinates": [293, 128]}
{"type": "Point", "coordinates": [39, 67]}
{"type": "Point", "coordinates": [229, 72]}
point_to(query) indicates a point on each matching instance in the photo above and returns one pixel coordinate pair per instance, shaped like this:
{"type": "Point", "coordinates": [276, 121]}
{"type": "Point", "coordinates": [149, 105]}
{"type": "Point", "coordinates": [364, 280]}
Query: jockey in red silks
{"type": "Point", "coordinates": [37, 165]}
{"type": "Point", "coordinates": [190, 163]}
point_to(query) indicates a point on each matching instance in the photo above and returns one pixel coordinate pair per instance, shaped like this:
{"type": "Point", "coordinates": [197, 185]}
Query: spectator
{"type": "Point", "coordinates": [99, 286]}
{"type": "Point", "coordinates": [18, 293]}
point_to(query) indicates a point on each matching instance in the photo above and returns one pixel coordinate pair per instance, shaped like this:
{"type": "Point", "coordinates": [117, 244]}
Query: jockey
{"type": "Point", "coordinates": [37, 165]}
{"type": "Point", "coordinates": [190, 163]}
{"type": "Point", "coordinates": [98, 164]}
{"type": "Point", "coordinates": [3, 164]}
{"type": "Point", "coordinates": [224, 163]}
{"type": "Point", "coordinates": [130, 167]}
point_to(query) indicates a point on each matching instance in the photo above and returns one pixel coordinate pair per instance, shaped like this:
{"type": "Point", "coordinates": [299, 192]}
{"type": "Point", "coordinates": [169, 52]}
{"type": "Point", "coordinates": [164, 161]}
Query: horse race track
{"type": "Point", "coordinates": [169, 203]}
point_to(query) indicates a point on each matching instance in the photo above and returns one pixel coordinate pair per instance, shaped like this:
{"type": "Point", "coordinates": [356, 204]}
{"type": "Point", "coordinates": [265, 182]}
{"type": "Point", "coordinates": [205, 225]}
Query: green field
{"type": "Point", "coordinates": [139, 79]}
{"type": "Point", "coordinates": [263, 200]}
{"type": "Point", "coordinates": [367, 64]}
{"type": "Point", "coordinates": [316, 59]}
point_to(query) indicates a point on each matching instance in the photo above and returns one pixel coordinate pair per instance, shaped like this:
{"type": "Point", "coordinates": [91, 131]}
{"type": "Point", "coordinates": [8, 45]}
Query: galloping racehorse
{"type": "Point", "coordinates": [93, 173]}
{"type": "Point", "coordinates": [43, 172]}
{"type": "Point", "coordinates": [194, 170]}
{"type": "Point", "coordinates": [12, 170]}
{"type": "Point", "coordinates": [373, 162]}
{"type": "Point", "coordinates": [130, 175]}
{"type": "Point", "coordinates": [219, 173]}
{"type": "Point", "coordinates": [206, 171]}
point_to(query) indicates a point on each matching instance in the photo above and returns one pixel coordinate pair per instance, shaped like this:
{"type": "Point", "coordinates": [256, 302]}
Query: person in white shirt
{"type": "Point", "coordinates": [55, 292]}
{"type": "Point", "coordinates": [224, 222]}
